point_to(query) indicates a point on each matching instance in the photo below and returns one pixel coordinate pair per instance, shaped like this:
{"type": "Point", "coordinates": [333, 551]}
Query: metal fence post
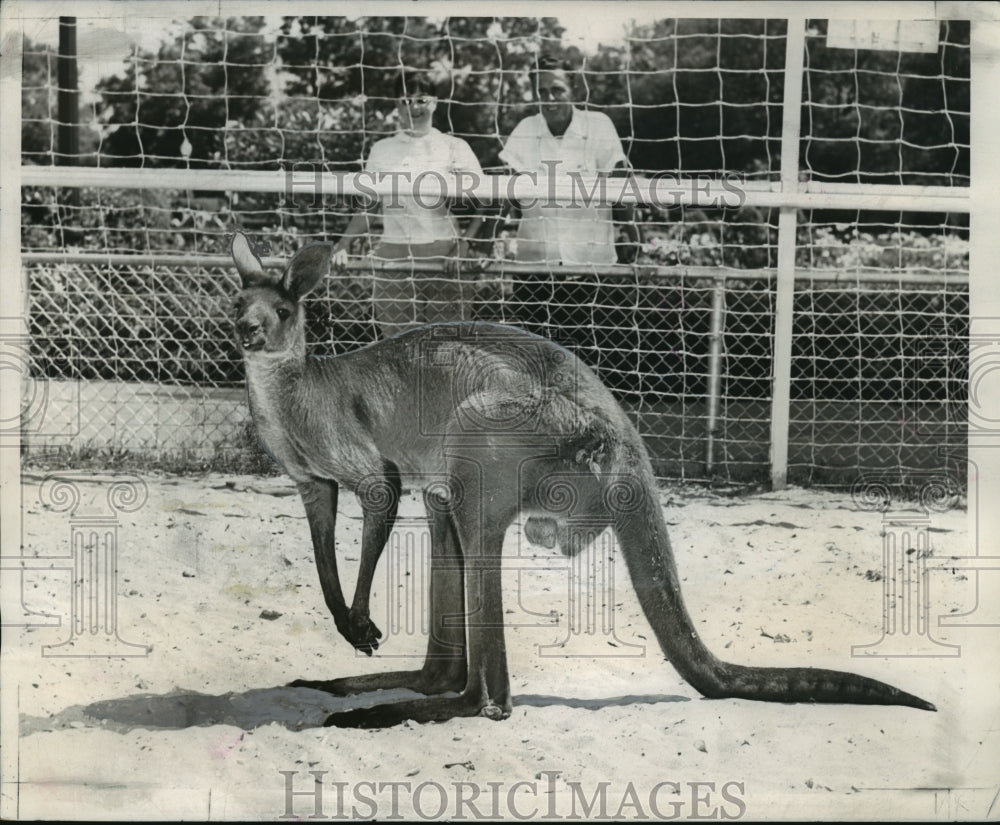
{"type": "Point", "coordinates": [715, 368]}
{"type": "Point", "coordinates": [68, 135]}
{"type": "Point", "coordinates": [791, 123]}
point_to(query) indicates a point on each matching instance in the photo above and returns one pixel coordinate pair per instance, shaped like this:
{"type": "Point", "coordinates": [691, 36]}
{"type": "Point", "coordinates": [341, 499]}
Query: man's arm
{"type": "Point", "coordinates": [624, 217]}
{"type": "Point", "coordinates": [493, 217]}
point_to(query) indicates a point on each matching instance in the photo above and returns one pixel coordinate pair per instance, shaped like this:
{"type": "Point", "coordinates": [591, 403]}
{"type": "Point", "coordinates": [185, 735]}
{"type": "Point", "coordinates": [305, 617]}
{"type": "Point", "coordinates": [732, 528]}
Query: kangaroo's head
{"type": "Point", "coordinates": [268, 312]}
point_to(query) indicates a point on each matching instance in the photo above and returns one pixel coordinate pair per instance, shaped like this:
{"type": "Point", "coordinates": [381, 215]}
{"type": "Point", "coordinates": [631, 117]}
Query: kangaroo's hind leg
{"type": "Point", "coordinates": [444, 666]}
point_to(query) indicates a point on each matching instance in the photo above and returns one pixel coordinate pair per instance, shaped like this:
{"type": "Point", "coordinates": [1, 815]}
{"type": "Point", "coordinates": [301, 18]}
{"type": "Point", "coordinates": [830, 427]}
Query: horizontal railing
{"type": "Point", "coordinates": [662, 191]}
{"type": "Point", "coordinates": [930, 277]}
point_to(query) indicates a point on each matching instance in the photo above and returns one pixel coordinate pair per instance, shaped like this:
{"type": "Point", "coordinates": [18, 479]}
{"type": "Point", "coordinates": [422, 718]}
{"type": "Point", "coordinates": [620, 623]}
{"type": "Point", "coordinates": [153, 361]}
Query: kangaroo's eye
{"type": "Point", "coordinates": [284, 313]}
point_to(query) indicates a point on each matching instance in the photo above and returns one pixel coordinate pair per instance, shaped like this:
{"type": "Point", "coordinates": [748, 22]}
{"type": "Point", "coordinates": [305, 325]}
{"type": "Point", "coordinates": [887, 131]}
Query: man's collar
{"type": "Point", "coordinates": [575, 123]}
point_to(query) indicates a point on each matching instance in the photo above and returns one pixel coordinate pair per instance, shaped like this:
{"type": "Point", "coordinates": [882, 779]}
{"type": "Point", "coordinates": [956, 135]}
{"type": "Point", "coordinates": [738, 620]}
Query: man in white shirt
{"type": "Point", "coordinates": [561, 141]}
{"type": "Point", "coordinates": [416, 228]}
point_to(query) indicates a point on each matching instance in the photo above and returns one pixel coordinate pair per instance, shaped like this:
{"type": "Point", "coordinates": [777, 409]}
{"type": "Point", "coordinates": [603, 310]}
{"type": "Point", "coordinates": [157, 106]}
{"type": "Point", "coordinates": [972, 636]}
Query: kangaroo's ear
{"type": "Point", "coordinates": [247, 263]}
{"type": "Point", "coordinates": [306, 269]}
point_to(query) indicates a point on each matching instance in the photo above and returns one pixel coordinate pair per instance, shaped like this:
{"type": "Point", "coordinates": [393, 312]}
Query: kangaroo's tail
{"type": "Point", "coordinates": [642, 535]}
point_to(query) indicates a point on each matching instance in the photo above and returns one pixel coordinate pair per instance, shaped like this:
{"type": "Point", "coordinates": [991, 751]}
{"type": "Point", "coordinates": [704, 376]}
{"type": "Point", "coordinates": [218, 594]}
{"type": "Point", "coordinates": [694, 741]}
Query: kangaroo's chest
{"type": "Point", "coordinates": [312, 445]}
{"type": "Point", "coordinates": [269, 420]}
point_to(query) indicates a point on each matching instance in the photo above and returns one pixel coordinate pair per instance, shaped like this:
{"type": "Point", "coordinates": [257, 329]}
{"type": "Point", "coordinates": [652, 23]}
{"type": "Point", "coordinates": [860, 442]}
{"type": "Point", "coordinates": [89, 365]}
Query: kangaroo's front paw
{"type": "Point", "coordinates": [362, 632]}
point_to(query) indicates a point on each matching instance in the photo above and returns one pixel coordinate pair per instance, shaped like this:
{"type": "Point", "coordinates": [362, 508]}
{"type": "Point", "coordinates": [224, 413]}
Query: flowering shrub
{"type": "Point", "coordinates": [698, 241]}
{"type": "Point", "coordinates": [847, 248]}
{"type": "Point", "coordinates": [673, 249]}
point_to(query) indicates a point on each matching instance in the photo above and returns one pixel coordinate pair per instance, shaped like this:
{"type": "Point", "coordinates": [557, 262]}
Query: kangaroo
{"type": "Point", "coordinates": [492, 422]}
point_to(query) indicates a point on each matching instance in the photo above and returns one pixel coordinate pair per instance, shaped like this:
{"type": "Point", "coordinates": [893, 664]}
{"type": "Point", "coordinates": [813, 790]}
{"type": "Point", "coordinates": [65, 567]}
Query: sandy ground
{"type": "Point", "coordinates": [219, 606]}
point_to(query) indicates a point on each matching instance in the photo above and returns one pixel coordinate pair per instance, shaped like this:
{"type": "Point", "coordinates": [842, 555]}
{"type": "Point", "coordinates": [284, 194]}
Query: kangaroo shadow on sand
{"type": "Point", "coordinates": [295, 708]}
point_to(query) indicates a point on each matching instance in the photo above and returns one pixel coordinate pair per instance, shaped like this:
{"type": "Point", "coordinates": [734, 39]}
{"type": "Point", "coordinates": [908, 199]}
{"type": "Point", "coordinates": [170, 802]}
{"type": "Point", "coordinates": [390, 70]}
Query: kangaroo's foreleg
{"type": "Point", "coordinates": [444, 666]}
{"type": "Point", "coordinates": [320, 499]}
{"type": "Point", "coordinates": [380, 504]}
{"type": "Point", "coordinates": [486, 690]}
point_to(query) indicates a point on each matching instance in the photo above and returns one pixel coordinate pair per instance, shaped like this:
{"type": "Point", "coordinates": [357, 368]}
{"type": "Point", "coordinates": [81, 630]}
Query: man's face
{"type": "Point", "coordinates": [554, 95]}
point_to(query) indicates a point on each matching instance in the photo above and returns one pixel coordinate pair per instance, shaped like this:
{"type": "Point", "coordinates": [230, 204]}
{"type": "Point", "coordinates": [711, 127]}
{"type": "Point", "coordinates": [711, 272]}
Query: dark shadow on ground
{"type": "Point", "coordinates": [294, 708]}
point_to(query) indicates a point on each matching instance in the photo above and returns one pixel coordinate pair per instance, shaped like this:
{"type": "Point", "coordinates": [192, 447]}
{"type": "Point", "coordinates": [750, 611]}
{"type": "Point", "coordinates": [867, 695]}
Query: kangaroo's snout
{"type": "Point", "coordinates": [250, 334]}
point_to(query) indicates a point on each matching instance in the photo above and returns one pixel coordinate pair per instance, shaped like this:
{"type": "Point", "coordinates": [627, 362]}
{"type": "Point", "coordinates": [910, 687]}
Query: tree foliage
{"type": "Point", "coordinates": [39, 107]}
{"type": "Point", "coordinates": [687, 96]}
{"type": "Point", "coordinates": [175, 106]}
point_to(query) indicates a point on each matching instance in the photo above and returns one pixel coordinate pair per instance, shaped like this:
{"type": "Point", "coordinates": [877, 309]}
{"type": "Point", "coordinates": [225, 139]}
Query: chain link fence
{"type": "Point", "coordinates": [148, 352]}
